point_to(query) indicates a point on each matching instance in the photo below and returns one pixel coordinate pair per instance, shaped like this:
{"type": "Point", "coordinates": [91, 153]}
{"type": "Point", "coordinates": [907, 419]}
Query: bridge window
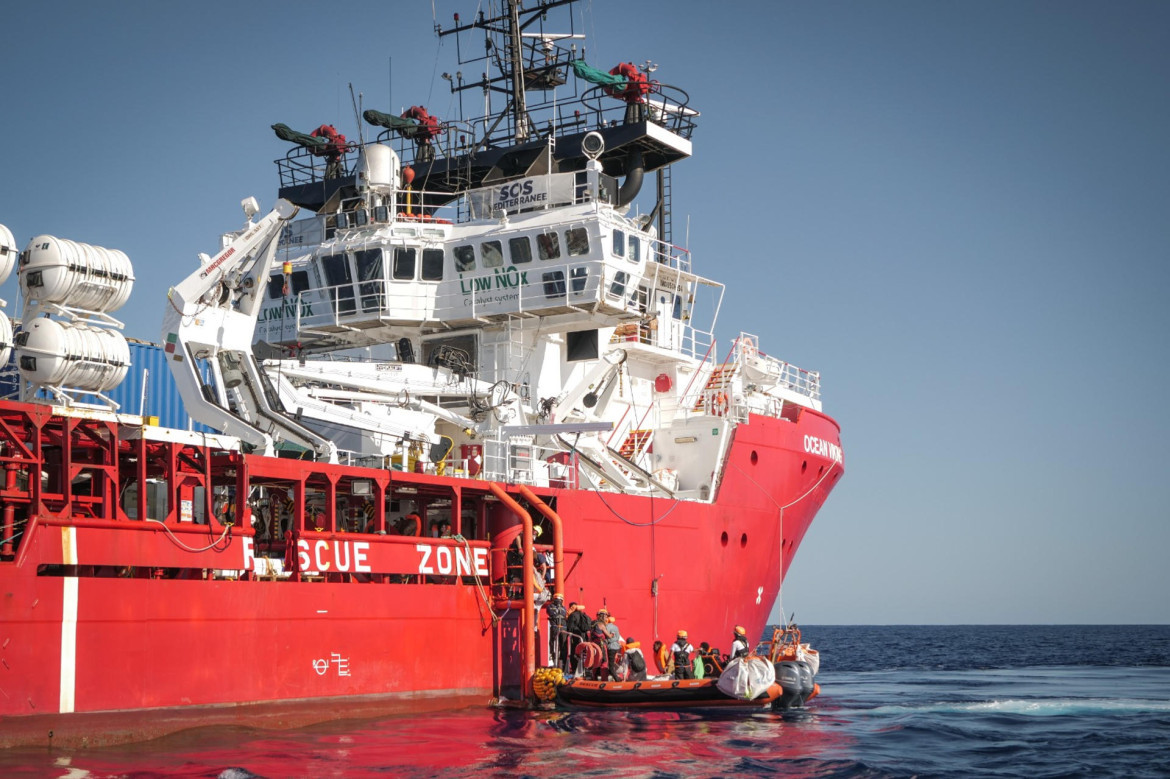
{"type": "Point", "coordinates": [635, 253]}
{"type": "Point", "coordinates": [492, 253]}
{"type": "Point", "coordinates": [520, 250]}
{"type": "Point", "coordinates": [369, 270]}
{"type": "Point", "coordinates": [578, 276]}
{"type": "Point", "coordinates": [340, 283]}
{"type": "Point", "coordinates": [578, 241]}
{"type": "Point", "coordinates": [618, 287]}
{"type": "Point", "coordinates": [619, 243]}
{"type": "Point", "coordinates": [299, 279]}
{"type": "Point", "coordinates": [464, 258]}
{"type": "Point", "coordinates": [554, 284]}
{"type": "Point", "coordinates": [549, 246]}
{"type": "Point", "coordinates": [432, 265]}
{"type": "Point", "coordinates": [404, 264]}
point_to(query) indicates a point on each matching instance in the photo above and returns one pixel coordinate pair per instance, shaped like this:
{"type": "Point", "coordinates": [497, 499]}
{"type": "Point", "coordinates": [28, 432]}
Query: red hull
{"type": "Point", "coordinates": [136, 623]}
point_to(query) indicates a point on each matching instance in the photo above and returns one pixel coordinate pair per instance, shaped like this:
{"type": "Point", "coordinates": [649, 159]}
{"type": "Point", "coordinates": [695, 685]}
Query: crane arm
{"type": "Point", "coordinates": [211, 317]}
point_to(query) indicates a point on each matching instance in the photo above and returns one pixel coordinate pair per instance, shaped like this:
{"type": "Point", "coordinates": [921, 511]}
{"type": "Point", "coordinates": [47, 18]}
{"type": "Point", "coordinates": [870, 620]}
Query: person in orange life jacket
{"type": "Point", "coordinates": [577, 628]}
{"type": "Point", "coordinates": [739, 644]}
{"type": "Point", "coordinates": [635, 661]}
{"type": "Point", "coordinates": [681, 651]}
{"type": "Point", "coordinates": [662, 659]}
{"type": "Point", "coordinates": [557, 637]}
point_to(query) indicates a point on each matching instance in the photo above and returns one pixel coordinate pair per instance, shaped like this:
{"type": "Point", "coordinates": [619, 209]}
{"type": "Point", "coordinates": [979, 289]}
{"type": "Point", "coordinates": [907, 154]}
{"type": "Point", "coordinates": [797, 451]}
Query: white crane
{"type": "Point", "coordinates": [211, 315]}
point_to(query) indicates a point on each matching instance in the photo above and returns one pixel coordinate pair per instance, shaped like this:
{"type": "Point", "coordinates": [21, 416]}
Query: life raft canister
{"type": "Point", "coordinates": [336, 146]}
{"type": "Point", "coordinates": [637, 85]}
{"type": "Point", "coordinates": [428, 126]}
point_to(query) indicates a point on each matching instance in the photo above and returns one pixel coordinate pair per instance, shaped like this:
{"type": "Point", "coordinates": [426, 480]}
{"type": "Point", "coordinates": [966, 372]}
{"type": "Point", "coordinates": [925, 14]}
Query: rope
{"type": "Point", "coordinates": [824, 476]}
{"type": "Point", "coordinates": [478, 583]}
{"type": "Point", "coordinates": [651, 523]}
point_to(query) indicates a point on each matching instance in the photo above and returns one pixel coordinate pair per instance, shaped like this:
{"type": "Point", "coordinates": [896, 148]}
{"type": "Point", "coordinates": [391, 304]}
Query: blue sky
{"type": "Point", "coordinates": [958, 212]}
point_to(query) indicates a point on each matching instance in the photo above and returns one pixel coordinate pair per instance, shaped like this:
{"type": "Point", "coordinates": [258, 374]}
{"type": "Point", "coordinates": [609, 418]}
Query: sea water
{"type": "Point", "coordinates": [946, 701]}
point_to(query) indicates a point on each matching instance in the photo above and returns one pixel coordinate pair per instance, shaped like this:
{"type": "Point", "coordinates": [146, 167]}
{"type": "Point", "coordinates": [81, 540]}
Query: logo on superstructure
{"type": "Point", "coordinates": [506, 278]}
{"type": "Point", "coordinates": [285, 309]}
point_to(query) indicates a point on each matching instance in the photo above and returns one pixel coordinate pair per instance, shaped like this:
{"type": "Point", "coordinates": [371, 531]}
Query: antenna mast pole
{"type": "Point", "coordinates": [519, 106]}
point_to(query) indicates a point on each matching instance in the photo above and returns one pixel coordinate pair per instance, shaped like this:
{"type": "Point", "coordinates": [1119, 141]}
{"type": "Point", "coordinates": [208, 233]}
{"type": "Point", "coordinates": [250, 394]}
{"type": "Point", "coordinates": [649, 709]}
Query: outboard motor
{"type": "Point", "coordinates": [788, 676]}
{"type": "Point", "coordinates": [806, 680]}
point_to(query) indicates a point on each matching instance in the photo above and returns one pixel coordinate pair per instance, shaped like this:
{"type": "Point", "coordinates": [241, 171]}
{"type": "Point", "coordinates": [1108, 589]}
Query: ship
{"type": "Point", "coordinates": [451, 338]}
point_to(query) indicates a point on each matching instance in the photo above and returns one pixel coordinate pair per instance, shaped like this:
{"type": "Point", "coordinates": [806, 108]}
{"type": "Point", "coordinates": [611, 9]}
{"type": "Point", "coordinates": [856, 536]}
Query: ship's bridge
{"type": "Point", "coordinates": [539, 247]}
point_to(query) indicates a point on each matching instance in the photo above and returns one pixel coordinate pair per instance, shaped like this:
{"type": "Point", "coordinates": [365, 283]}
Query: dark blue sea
{"type": "Point", "coordinates": [929, 701]}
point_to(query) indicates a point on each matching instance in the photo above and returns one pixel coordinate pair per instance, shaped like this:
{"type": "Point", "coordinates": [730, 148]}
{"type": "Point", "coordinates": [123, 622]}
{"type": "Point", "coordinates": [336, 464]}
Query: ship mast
{"type": "Point", "coordinates": [519, 107]}
{"type": "Point", "coordinates": [506, 27]}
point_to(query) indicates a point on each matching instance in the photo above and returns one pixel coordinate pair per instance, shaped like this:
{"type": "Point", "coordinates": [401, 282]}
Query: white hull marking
{"type": "Point", "coordinates": [68, 623]}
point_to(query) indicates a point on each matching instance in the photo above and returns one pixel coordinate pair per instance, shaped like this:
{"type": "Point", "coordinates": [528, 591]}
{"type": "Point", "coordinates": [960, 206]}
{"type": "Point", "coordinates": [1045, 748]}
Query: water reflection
{"type": "Point", "coordinates": [477, 742]}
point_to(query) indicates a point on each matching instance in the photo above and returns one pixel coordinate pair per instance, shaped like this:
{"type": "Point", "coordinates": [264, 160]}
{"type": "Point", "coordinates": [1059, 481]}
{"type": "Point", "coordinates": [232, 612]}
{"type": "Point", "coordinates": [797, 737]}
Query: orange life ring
{"type": "Point", "coordinates": [590, 654]}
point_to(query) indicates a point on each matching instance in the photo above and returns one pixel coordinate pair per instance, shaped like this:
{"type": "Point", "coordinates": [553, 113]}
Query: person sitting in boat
{"type": "Point", "coordinates": [635, 661]}
{"type": "Point", "coordinates": [663, 659]}
{"type": "Point", "coordinates": [681, 653]}
{"type": "Point", "coordinates": [712, 660]}
{"type": "Point", "coordinates": [739, 643]}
